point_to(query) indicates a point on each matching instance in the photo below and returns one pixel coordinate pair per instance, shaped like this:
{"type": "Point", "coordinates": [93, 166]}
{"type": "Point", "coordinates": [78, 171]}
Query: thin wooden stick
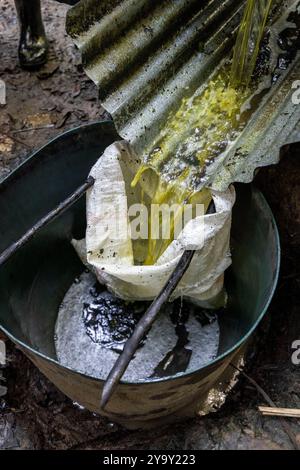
{"type": "Point", "coordinates": [29, 129]}
{"type": "Point", "coordinates": [143, 327]}
{"type": "Point", "coordinates": [285, 412]}
{"type": "Point", "coordinates": [6, 254]}
{"type": "Point", "coordinates": [284, 423]}
{"type": "Point", "coordinates": [145, 323]}
{"type": "Point", "coordinates": [150, 315]}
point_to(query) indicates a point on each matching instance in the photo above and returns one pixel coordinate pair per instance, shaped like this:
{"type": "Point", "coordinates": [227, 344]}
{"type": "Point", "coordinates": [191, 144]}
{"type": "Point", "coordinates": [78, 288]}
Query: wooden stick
{"type": "Point", "coordinates": [284, 423]}
{"type": "Point", "coordinates": [145, 323]}
{"type": "Point", "coordinates": [6, 254]}
{"type": "Point", "coordinates": [143, 327]}
{"type": "Point", "coordinates": [29, 129]}
{"type": "Point", "coordinates": [285, 412]}
{"type": "Point", "coordinates": [150, 315]}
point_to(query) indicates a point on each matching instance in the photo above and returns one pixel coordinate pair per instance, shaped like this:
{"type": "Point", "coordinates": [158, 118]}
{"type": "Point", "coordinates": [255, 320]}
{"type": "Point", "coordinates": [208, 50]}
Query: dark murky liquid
{"type": "Point", "coordinates": [93, 326]}
{"type": "Point", "coordinates": [110, 321]}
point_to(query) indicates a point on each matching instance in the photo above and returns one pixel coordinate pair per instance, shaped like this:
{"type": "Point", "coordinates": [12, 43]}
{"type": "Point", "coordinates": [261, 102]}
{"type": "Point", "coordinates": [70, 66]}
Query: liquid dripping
{"type": "Point", "coordinates": [177, 360]}
{"type": "Point", "coordinates": [168, 194]}
{"type": "Point", "coordinates": [206, 124]}
{"type": "Point", "coordinates": [248, 41]}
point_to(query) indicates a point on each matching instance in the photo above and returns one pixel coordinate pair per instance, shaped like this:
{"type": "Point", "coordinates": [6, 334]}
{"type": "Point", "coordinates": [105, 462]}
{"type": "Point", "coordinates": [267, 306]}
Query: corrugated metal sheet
{"type": "Point", "coordinates": [146, 55]}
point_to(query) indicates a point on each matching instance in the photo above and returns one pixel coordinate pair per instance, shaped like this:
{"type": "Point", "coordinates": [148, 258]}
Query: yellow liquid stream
{"type": "Point", "coordinates": [205, 124]}
{"type": "Point", "coordinates": [248, 41]}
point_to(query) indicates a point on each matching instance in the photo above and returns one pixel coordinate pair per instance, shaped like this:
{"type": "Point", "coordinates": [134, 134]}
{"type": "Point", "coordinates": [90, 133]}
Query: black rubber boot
{"type": "Point", "coordinates": [33, 46]}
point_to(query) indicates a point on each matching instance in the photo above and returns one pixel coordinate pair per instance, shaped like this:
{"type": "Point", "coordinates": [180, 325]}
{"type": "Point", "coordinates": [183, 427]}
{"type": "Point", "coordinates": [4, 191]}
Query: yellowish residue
{"type": "Point", "coordinates": [248, 41]}
{"type": "Point", "coordinates": [203, 126]}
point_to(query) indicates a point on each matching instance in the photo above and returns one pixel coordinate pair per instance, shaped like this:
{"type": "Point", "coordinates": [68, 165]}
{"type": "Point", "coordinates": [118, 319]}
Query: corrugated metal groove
{"type": "Point", "coordinates": [101, 35]}
{"type": "Point", "coordinates": [147, 55]}
{"type": "Point", "coordinates": [159, 67]}
{"type": "Point", "coordinates": [142, 125]}
{"type": "Point", "coordinates": [143, 37]}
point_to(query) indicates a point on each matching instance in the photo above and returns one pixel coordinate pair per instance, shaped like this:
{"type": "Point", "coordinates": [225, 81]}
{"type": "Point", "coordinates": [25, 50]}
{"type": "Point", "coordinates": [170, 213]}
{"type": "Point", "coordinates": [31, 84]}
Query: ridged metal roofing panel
{"type": "Point", "coordinates": [146, 55]}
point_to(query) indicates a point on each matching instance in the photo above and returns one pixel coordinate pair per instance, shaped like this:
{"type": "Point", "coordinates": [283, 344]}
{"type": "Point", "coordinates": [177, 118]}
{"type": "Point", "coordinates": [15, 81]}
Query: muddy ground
{"type": "Point", "coordinates": [33, 413]}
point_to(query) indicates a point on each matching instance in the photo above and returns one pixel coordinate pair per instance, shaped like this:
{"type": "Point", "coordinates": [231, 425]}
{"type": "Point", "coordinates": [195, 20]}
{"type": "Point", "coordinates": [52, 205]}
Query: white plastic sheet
{"type": "Point", "coordinates": [111, 257]}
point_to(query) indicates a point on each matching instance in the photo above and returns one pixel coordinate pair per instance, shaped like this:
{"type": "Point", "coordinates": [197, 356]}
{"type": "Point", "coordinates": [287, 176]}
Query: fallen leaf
{"type": "Point", "coordinates": [6, 144]}
{"type": "Point", "coordinates": [81, 114]}
{"type": "Point", "coordinates": [48, 70]}
{"type": "Point", "coordinates": [61, 122]}
{"type": "Point", "coordinates": [76, 90]}
{"type": "Point", "coordinates": [38, 119]}
{"type": "Point", "coordinates": [50, 107]}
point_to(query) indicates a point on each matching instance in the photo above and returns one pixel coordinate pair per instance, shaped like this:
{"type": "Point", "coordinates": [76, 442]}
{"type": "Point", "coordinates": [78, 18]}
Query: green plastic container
{"type": "Point", "coordinates": [35, 279]}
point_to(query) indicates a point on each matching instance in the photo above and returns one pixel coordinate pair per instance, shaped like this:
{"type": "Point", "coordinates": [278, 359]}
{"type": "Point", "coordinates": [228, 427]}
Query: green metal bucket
{"type": "Point", "coordinates": [35, 279]}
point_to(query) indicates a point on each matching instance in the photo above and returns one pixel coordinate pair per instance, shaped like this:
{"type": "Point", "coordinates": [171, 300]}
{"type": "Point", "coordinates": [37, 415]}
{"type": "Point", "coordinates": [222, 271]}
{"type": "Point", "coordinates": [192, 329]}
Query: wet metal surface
{"type": "Point", "coordinates": [145, 56]}
{"type": "Point", "coordinates": [38, 416]}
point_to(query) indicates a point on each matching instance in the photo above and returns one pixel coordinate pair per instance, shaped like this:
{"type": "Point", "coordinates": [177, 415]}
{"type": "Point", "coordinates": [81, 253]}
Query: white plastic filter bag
{"type": "Point", "coordinates": [111, 257]}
